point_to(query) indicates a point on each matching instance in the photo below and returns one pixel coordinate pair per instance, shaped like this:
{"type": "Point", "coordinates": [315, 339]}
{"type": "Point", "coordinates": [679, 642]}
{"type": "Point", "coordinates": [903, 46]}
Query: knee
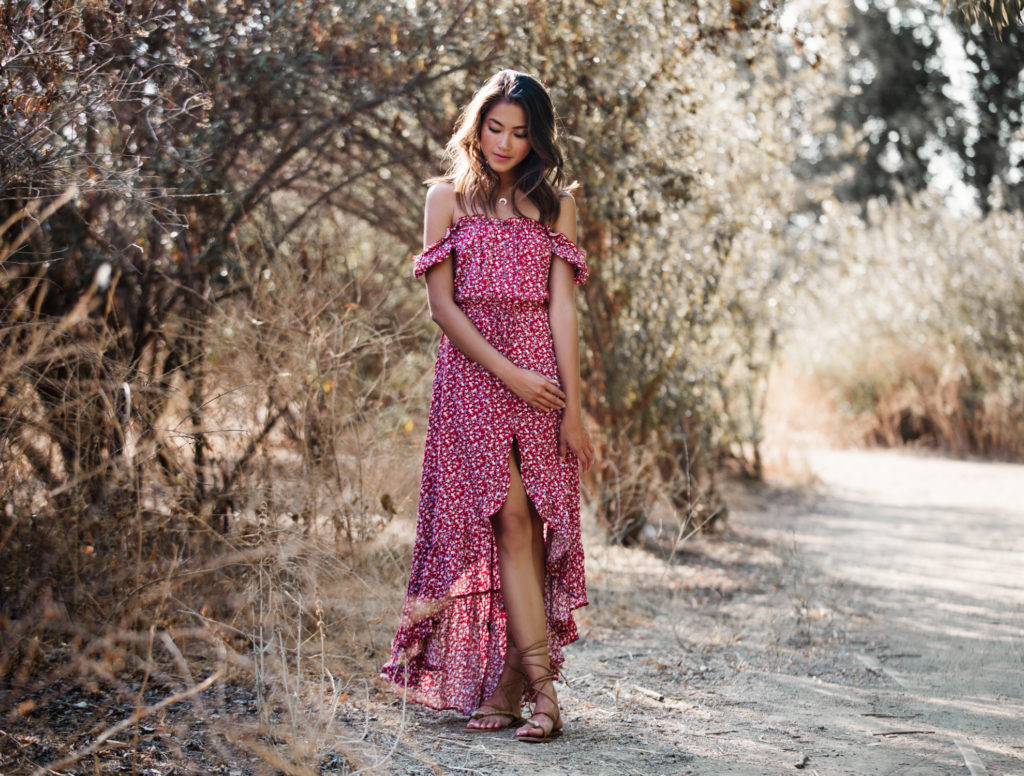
{"type": "Point", "coordinates": [512, 529]}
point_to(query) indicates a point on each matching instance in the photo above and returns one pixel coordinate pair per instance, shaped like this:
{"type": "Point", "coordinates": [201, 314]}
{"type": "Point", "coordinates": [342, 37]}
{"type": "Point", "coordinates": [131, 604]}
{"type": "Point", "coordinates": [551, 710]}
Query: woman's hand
{"type": "Point", "coordinates": [535, 389]}
{"type": "Point", "coordinates": [573, 436]}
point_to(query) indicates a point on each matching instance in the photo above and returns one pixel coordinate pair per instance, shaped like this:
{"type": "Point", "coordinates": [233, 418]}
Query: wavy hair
{"type": "Point", "coordinates": [541, 175]}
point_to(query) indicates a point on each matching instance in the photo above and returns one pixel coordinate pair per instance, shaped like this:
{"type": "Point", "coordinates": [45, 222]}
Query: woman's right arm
{"type": "Point", "coordinates": [532, 387]}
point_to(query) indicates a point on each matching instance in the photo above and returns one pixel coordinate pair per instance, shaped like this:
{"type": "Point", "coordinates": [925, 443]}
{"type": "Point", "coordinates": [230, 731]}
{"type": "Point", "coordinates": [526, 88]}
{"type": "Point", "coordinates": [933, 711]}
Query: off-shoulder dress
{"type": "Point", "coordinates": [450, 646]}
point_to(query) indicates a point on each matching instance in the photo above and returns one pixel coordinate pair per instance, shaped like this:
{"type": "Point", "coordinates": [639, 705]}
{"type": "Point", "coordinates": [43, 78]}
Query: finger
{"type": "Point", "coordinates": [554, 391]}
{"type": "Point", "coordinates": [587, 458]}
{"type": "Point", "coordinates": [552, 402]}
{"type": "Point", "coordinates": [554, 387]}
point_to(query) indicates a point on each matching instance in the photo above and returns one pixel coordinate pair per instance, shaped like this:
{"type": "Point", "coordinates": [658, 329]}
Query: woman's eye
{"type": "Point", "coordinates": [521, 137]}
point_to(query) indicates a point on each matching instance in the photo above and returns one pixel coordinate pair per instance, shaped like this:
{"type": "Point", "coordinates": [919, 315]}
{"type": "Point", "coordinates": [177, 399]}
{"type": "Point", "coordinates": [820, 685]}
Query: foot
{"type": "Point", "coordinates": [545, 722]}
{"type": "Point", "coordinates": [504, 706]}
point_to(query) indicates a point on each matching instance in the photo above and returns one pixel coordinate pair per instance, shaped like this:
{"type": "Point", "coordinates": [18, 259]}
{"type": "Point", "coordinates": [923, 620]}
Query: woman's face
{"type": "Point", "coordinates": [503, 139]}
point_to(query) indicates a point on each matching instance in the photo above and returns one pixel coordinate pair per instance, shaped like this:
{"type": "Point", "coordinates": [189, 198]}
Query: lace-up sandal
{"type": "Point", "coordinates": [486, 710]}
{"type": "Point", "coordinates": [539, 653]}
{"type": "Point", "coordinates": [513, 715]}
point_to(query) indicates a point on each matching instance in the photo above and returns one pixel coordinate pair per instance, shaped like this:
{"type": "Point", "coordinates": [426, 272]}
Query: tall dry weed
{"type": "Point", "coordinates": [929, 347]}
{"type": "Point", "coordinates": [183, 544]}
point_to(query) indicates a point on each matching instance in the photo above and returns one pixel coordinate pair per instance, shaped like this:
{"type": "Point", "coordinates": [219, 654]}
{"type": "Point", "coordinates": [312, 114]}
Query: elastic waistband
{"type": "Point", "coordinates": [504, 304]}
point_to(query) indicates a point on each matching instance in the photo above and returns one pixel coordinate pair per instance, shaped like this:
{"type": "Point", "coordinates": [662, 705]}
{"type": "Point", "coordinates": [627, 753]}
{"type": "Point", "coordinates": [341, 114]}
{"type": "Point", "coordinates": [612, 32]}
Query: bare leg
{"type": "Point", "coordinates": [518, 534]}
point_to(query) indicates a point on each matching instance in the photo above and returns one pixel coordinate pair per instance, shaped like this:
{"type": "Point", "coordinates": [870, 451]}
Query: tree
{"type": "Point", "coordinates": [678, 140]}
{"type": "Point", "coordinates": [176, 128]}
{"type": "Point", "coordinates": [929, 99]}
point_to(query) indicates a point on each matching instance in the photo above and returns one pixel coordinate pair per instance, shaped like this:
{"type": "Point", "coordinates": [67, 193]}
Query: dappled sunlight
{"type": "Point", "coordinates": [803, 224]}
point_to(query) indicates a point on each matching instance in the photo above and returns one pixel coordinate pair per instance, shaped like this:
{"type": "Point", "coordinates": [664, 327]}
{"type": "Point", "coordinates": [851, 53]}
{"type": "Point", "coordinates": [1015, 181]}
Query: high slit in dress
{"type": "Point", "coordinates": [450, 646]}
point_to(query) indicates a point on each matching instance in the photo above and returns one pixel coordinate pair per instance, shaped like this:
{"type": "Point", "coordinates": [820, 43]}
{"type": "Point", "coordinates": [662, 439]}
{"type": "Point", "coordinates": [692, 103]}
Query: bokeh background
{"type": "Point", "coordinates": [216, 364]}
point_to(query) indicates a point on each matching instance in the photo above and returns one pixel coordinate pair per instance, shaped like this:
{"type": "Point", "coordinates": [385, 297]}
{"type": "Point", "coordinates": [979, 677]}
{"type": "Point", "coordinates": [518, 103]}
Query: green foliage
{"type": "Point", "coordinates": [215, 137]}
{"type": "Point", "coordinates": [677, 121]}
{"type": "Point", "coordinates": [927, 100]}
{"type": "Point", "coordinates": [994, 162]}
{"type": "Point", "coordinates": [209, 142]}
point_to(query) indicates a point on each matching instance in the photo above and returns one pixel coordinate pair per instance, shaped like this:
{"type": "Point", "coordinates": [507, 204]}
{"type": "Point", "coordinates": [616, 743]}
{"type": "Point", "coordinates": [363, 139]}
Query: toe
{"type": "Point", "coordinates": [531, 729]}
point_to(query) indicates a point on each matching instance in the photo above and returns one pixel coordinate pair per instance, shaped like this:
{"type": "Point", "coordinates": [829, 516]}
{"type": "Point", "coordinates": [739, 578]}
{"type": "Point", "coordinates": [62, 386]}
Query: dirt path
{"type": "Point", "coordinates": [873, 625]}
{"type": "Point", "coordinates": [935, 551]}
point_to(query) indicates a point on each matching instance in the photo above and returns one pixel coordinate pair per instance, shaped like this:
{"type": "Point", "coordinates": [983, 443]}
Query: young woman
{"type": "Point", "coordinates": [498, 564]}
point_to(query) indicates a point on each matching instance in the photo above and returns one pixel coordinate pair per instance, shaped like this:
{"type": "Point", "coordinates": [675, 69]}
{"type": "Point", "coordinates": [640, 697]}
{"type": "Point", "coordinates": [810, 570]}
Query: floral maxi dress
{"type": "Point", "coordinates": [450, 646]}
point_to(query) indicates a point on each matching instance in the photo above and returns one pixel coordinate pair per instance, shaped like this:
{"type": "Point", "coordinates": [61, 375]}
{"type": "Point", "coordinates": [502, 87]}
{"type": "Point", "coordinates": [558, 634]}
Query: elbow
{"type": "Point", "coordinates": [435, 314]}
{"type": "Point", "coordinates": [438, 312]}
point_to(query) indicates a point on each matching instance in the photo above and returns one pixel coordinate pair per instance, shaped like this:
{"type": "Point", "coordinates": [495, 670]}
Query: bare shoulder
{"type": "Point", "coordinates": [441, 197]}
{"type": "Point", "coordinates": [439, 211]}
{"type": "Point", "coordinates": [566, 223]}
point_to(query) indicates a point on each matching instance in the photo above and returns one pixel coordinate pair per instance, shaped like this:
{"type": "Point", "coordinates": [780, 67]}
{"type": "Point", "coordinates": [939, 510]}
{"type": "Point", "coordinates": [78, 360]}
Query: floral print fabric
{"type": "Point", "coordinates": [449, 650]}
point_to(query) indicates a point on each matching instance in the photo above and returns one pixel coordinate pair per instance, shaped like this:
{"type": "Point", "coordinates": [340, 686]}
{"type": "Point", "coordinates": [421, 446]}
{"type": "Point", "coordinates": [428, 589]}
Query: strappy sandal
{"type": "Point", "coordinates": [493, 711]}
{"type": "Point", "coordinates": [540, 650]}
{"type": "Point", "coordinates": [490, 710]}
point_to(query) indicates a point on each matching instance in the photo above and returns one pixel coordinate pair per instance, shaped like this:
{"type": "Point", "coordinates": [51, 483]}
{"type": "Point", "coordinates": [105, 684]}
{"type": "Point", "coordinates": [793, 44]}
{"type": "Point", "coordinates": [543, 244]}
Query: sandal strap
{"type": "Point", "coordinates": [556, 725]}
{"type": "Point", "coordinates": [495, 712]}
{"type": "Point", "coordinates": [555, 719]}
{"type": "Point", "coordinates": [538, 654]}
{"type": "Point", "coordinates": [537, 649]}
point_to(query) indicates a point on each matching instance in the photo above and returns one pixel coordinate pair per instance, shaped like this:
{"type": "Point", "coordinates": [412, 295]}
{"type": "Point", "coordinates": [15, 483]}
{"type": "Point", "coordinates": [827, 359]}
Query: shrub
{"type": "Point", "coordinates": [929, 347]}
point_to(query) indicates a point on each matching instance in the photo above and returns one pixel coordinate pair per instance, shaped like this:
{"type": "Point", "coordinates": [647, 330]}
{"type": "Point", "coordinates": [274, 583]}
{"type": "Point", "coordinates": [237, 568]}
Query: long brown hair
{"type": "Point", "coordinates": [540, 175]}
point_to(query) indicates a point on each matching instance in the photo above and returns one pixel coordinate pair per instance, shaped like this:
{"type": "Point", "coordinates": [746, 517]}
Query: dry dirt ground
{"type": "Point", "coordinates": [869, 622]}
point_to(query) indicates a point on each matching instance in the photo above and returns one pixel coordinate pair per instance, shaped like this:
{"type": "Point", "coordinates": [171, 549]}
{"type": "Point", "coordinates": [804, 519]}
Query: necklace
{"type": "Point", "coordinates": [504, 200]}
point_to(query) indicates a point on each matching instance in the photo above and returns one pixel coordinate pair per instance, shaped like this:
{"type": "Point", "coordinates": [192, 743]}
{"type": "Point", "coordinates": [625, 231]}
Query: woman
{"type": "Point", "coordinates": [498, 563]}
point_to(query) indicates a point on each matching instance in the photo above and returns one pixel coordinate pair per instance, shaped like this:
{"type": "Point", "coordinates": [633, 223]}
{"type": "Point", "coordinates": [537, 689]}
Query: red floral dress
{"type": "Point", "coordinates": [450, 647]}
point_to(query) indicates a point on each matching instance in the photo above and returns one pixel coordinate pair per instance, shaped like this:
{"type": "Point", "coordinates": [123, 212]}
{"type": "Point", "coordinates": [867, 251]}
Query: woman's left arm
{"type": "Point", "coordinates": [565, 335]}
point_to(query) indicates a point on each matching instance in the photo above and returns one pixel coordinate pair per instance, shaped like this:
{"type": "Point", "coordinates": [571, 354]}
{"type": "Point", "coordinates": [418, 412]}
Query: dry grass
{"type": "Point", "coordinates": [189, 577]}
{"type": "Point", "coordinates": [895, 395]}
{"type": "Point", "coordinates": [271, 671]}
{"type": "Point", "coordinates": [917, 337]}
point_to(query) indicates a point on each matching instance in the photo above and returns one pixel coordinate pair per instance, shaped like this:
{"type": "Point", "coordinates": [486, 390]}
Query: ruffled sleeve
{"type": "Point", "coordinates": [435, 254]}
{"type": "Point", "coordinates": [566, 249]}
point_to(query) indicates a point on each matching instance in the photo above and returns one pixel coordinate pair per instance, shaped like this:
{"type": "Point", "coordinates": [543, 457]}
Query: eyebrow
{"type": "Point", "coordinates": [521, 126]}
